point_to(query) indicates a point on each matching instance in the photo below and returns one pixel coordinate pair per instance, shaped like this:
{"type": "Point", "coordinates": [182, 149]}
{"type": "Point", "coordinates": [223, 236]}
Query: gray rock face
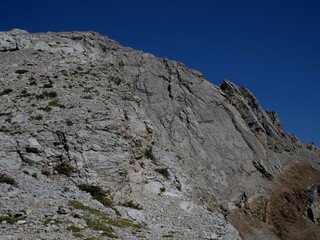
{"type": "Point", "coordinates": [78, 109]}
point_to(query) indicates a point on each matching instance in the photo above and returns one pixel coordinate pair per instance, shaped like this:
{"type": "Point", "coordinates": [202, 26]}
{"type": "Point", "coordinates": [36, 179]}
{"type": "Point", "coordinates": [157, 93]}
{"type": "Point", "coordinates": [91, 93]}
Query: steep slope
{"type": "Point", "coordinates": [91, 130]}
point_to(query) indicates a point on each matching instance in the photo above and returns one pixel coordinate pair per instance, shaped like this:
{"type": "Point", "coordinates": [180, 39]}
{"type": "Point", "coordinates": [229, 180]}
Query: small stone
{"type": "Point", "coordinates": [21, 222]}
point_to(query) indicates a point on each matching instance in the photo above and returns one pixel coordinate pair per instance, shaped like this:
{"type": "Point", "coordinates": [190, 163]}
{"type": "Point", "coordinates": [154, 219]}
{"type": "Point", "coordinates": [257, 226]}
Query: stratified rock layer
{"type": "Point", "coordinates": [174, 155]}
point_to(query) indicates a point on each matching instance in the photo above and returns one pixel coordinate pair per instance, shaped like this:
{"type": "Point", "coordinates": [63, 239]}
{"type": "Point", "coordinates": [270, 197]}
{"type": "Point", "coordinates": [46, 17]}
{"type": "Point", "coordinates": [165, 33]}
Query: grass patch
{"type": "Point", "coordinates": [55, 103]}
{"type": "Point", "coordinates": [4, 178]}
{"type": "Point", "coordinates": [164, 172]}
{"type": "Point", "coordinates": [10, 219]}
{"type": "Point", "coordinates": [97, 193]}
{"type": "Point", "coordinates": [78, 235]}
{"type": "Point", "coordinates": [73, 228]}
{"type": "Point", "coordinates": [104, 218]}
{"type": "Point", "coordinates": [64, 168]}
{"type": "Point", "coordinates": [98, 226]}
{"type": "Point", "coordinates": [131, 204]}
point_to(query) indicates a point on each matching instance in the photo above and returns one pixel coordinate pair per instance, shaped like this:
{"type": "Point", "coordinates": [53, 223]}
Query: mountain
{"type": "Point", "coordinates": [100, 141]}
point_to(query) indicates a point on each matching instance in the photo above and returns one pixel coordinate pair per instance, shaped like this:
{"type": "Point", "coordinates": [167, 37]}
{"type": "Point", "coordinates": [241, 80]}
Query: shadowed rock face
{"type": "Point", "coordinates": [172, 152]}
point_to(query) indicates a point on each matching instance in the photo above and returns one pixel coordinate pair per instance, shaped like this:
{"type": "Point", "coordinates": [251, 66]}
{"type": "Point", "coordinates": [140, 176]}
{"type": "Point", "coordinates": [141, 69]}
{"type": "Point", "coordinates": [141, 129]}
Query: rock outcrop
{"type": "Point", "coordinates": [100, 141]}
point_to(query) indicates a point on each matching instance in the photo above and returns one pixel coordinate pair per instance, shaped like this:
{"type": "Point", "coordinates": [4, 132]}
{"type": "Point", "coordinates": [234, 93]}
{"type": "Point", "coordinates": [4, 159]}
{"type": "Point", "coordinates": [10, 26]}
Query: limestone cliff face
{"type": "Point", "coordinates": [175, 155]}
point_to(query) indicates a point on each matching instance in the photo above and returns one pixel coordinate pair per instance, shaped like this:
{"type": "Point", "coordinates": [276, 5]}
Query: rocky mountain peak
{"type": "Point", "coordinates": [99, 141]}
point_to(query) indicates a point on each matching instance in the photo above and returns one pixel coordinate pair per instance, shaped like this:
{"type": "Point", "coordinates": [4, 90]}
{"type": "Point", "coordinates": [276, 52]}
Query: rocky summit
{"type": "Point", "coordinates": [100, 141]}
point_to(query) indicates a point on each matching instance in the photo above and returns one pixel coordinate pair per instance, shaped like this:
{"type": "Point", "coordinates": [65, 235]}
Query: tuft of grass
{"type": "Point", "coordinates": [33, 83]}
{"type": "Point", "coordinates": [21, 71]}
{"type": "Point", "coordinates": [162, 189]}
{"type": "Point", "coordinates": [4, 178]}
{"type": "Point", "coordinates": [64, 168]}
{"type": "Point", "coordinates": [164, 172]}
{"type": "Point", "coordinates": [47, 85]}
{"type": "Point", "coordinates": [49, 220]}
{"type": "Point", "coordinates": [73, 228]}
{"type": "Point", "coordinates": [46, 95]}
{"type": "Point", "coordinates": [35, 175]}
{"type": "Point", "coordinates": [210, 209]}
{"type": "Point", "coordinates": [131, 204]}
{"type": "Point", "coordinates": [5, 114]}
{"type": "Point", "coordinates": [54, 103]}
{"type": "Point", "coordinates": [87, 97]}
{"type": "Point", "coordinates": [148, 153]}
{"type": "Point", "coordinates": [46, 109]}
{"type": "Point", "coordinates": [10, 219]}
{"type": "Point", "coordinates": [6, 91]}
{"type": "Point", "coordinates": [26, 172]}
{"type": "Point", "coordinates": [45, 171]}
{"type": "Point", "coordinates": [97, 193]}
{"type": "Point", "coordinates": [126, 117]}
{"type": "Point", "coordinates": [69, 122]}
{"type": "Point", "coordinates": [25, 94]}
{"type": "Point", "coordinates": [37, 117]}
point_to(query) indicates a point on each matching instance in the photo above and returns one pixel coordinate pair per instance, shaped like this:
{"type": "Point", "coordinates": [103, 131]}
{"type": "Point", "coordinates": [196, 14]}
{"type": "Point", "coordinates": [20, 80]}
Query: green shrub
{"type": "Point", "coordinates": [35, 175]}
{"type": "Point", "coordinates": [97, 193]}
{"type": "Point", "coordinates": [148, 153]}
{"type": "Point", "coordinates": [164, 172]}
{"type": "Point", "coordinates": [64, 168]}
{"type": "Point", "coordinates": [162, 189]}
{"type": "Point", "coordinates": [4, 178]}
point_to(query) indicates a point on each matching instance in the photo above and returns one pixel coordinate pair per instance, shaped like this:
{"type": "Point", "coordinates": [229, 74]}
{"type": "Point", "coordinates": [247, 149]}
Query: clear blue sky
{"type": "Point", "coordinates": [272, 47]}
